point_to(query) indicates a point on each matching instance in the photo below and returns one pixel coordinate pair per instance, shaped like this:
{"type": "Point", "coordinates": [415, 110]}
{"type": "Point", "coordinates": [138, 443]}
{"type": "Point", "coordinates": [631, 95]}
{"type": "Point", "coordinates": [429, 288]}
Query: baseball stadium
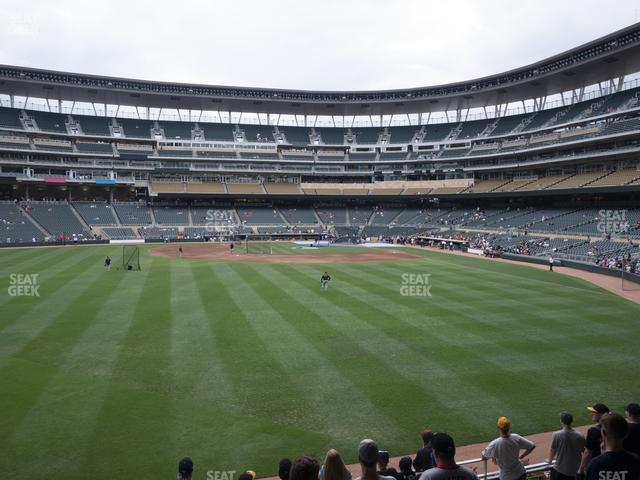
{"type": "Point", "coordinates": [232, 276]}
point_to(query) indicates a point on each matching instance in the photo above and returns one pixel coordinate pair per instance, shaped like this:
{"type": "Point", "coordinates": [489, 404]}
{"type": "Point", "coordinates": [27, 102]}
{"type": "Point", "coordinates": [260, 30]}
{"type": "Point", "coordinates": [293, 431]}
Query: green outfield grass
{"type": "Point", "coordinates": [114, 374]}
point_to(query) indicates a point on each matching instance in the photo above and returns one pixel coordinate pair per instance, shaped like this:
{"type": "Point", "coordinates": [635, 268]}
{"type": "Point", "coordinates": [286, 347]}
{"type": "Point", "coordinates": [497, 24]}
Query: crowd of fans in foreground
{"type": "Point", "coordinates": [609, 451]}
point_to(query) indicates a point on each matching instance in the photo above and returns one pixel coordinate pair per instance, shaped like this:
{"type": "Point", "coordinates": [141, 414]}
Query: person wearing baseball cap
{"type": "Point", "coordinates": [423, 459]}
{"type": "Point", "coordinates": [594, 436]}
{"type": "Point", "coordinates": [505, 451]}
{"type": "Point", "coordinates": [632, 442]}
{"type": "Point", "coordinates": [614, 463]}
{"type": "Point", "coordinates": [446, 468]}
{"type": "Point", "coordinates": [185, 469]}
{"type": "Point", "coordinates": [368, 458]}
{"type": "Point", "coordinates": [567, 446]}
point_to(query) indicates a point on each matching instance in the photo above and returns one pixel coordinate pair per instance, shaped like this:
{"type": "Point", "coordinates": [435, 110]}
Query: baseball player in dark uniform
{"type": "Point", "coordinates": [324, 282]}
{"type": "Point", "coordinates": [107, 263]}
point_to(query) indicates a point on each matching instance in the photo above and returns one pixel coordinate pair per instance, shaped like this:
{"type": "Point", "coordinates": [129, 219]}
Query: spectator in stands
{"type": "Point", "coordinates": [632, 442]}
{"type": "Point", "coordinates": [333, 467]}
{"type": "Point", "coordinates": [614, 463]}
{"type": "Point", "coordinates": [406, 470]}
{"type": "Point", "coordinates": [505, 451]}
{"type": "Point", "coordinates": [383, 466]}
{"type": "Point", "coordinates": [305, 467]}
{"type": "Point", "coordinates": [567, 446]}
{"type": "Point", "coordinates": [284, 468]}
{"type": "Point", "coordinates": [594, 436]}
{"type": "Point", "coordinates": [446, 468]}
{"type": "Point", "coordinates": [185, 469]}
{"type": "Point", "coordinates": [424, 457]}
{"type": "Point", "coordinates": [368, 458]}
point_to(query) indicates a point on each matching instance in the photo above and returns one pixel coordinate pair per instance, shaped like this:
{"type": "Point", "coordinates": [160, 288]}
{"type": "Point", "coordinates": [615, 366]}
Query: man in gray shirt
{"type": "Point", "coordinates": [567, 446]}
{"type": "Point", "coordinates": [446, 467]}
{"type": "Point", "coordinates": [505, 451]}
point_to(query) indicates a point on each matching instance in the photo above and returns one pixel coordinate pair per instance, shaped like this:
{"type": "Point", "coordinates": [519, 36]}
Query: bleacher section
{"type": "Point", "coordinates": [96, 213]}
{"type": "Point", "coordinates": [403, 134]}
{"type": "Point", "coordinates": [437, 132]}
{"type": "Point", "coordinates": [171, 215]}
{"type": "Point", "coordinates": [217, 131]}
{"type": "Point", "coordinates": [57, 219]}
{"type": "Point", "coordinates": [577, 180]}
{"type": "Point", "coordinates": [332, 215]}
{"type": "Point", "coordinates": [133, 214]}
{"type": "Point", "coordinates": [385, 215]}
{"type": "Point", "coordinates": [616, 178]}
{"type": "Point", "coordinates": [15, 227]}
{"type": "Point", "coordinates": [49, 122]}
{"type": "Point", "coordinates": [9, 118]}
{"type": "Point", "coordinates": [296, 135]}
{"type": "Point", "coordinates": [299, 215]}
{"type": "Point", "coordinates": [176, 130]}
{"type": "Point", "coordinates": [259, 216]}
{"type": "Point", "coordinates": [119, 233]}
{"type": "Point", "coordinates": [366, 135]}
{"type": "Point", "coordinates": [135, 128]}
{"type": "Point", "coordinates": [94, 125]}
{"type": "Point", "coordinates": [331, 136]}
{"type": "Point", "coordinates": [257, 133]}
{"type": "Point", "coordinates": [359, 215]}
{"type": "Point", "coordinates": [473, 129]}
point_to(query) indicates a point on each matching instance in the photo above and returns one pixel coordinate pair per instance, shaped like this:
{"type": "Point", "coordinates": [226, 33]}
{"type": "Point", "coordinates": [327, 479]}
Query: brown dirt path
{"type": "Point", "coordinates": [469, 452]}
{"type": "Point", "coordinates": [612, 284]}
{"type": "Point", "coordinates": [221, 253]}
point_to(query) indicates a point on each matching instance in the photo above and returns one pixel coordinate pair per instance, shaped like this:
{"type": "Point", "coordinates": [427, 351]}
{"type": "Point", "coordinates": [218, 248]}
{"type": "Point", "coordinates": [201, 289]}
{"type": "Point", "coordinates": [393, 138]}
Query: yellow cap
{"type": "Point", "coordinates": [504, 423]}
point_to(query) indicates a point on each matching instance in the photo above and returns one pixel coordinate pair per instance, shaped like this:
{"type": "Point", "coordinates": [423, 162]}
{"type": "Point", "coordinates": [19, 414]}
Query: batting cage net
{"type": "Point", "coordinates": [630, 282]}
{"type": "Point", "coordinates": [258, 244]}
{"type": "Point", "coordinates": [130, 257]}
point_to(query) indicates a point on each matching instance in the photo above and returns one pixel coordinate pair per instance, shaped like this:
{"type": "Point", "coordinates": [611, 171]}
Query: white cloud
{"type": "Point", "coordinates": [328, 45]}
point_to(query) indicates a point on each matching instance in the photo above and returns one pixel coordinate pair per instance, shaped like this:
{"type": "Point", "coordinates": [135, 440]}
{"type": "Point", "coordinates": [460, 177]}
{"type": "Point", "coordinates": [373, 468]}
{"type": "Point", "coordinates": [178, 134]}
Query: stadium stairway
{"type": "Point", "coordinates": [115, 216]}
{"type": "Point", "coordinates": [84, 224]}
{"type": "Point", "coordinates": [34, 221]}
{"type": "Point", "coordinates": [154, 223]}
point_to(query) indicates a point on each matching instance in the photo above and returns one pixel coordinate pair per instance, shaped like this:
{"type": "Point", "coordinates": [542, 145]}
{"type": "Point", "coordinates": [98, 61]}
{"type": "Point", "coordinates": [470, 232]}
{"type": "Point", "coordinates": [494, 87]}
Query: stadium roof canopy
{"type": "Point", "coordinates": [605, 58]}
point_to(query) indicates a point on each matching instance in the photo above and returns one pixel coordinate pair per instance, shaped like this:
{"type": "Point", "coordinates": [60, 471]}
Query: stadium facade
{"type": "Point", "coordinates": [496, 142]}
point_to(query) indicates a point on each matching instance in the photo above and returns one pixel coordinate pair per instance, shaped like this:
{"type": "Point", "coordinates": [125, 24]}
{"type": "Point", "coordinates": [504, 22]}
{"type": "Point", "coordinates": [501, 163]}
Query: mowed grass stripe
{"type": "Point", "coordinates": [234, 335]}
{"type": "Point", "coordinates": [307, 366]}
{"type": "Point", "coordinates": [523, 355]}
{"type": "Point", "coordinates": [196, 360]}
{"type": "Point", "coordinates": [74, 401]}
{"type": "Point", "coordinates": [125, 417]}
{"type": "Point", "coordinates": [410, 341]}
{"type": "Point", "coordinates": [332, 336]}
{"type": "Point", "coordinates": [49, 279]}
{"type": "Point", "coordinates": [49, 345]}
{"type": "Point", "coordinates": [28, 260]}
{"type": "Point", "coordinates": [26, 320]}
{"type": "Point", "coordinates": [531, 307]}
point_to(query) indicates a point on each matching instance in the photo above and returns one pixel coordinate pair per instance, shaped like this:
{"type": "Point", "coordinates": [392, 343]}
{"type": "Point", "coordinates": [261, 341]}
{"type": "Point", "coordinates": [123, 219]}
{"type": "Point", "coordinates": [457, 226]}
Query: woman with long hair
{"type": "Point", "coordinates": [334, 468]}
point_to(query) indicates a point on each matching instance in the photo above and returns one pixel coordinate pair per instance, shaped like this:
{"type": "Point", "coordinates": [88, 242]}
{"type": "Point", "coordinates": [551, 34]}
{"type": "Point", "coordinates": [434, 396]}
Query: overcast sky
{"type": "Point", "coordinates": [324, 44]}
